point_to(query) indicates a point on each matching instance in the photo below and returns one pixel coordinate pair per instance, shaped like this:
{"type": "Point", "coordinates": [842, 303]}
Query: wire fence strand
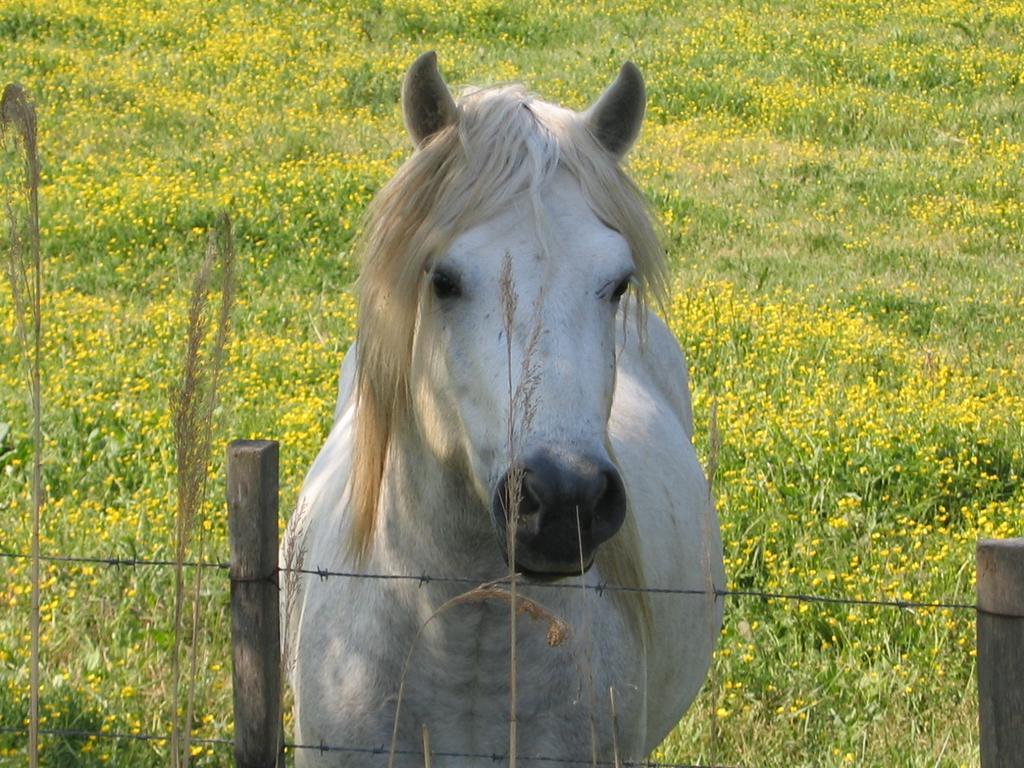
{"type": "Point", "coordinates": [324, 748]}
{"type": "Point", "coordinates": [80, 733]}
{"type": "Point", "coordinates": [119, 562]}
{"type": "Point", "coordinates": [324, 573]}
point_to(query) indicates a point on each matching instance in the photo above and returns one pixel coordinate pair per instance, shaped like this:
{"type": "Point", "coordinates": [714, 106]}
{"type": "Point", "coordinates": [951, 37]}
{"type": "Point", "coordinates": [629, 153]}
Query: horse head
{"type": "Point", "coordinates": [521, 240]}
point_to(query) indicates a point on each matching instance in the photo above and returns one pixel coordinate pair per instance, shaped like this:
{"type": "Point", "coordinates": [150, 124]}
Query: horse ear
{"type": "Point", "coordinates": [615, 118]}
{"type": "Point", "coordinates": [427, 105]}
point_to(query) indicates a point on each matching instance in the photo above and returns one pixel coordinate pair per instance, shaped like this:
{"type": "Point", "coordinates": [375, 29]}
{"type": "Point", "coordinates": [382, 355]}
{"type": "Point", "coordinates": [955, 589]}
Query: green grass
{"type": "Point", "coordinates": [840, 188]}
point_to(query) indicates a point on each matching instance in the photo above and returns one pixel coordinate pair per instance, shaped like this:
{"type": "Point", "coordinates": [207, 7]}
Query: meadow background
{"type": "Point", "coordinates": [841, 189]}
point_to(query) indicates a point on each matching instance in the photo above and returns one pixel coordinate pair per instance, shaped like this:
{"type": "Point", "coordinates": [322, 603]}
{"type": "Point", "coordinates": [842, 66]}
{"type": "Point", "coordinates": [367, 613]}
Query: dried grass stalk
{"type": "Point", "coordinates": [588, 660]}
{"type": "Point", "coordinates": [521, 399]}
{"type": "Point", "coordinates": [426, 747]}
{"type": "Point", "coordinates": [714, 446]}
{"type": "Point", "coordinates": [193, 403]}
{"type": "Point", "coordinates": [615, 729]}
{"type": "Point", "coordinates": [513, 497]}
{"type": "Point", "coordinates": [17, 112]}
{"type": "Point", "coordinates": [294, 562]}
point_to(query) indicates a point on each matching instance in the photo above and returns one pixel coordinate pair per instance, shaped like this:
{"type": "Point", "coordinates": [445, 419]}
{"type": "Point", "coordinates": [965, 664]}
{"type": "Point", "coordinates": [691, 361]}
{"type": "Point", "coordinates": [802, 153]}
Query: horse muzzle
{"type": "Point", "coordinates": [562, 507]}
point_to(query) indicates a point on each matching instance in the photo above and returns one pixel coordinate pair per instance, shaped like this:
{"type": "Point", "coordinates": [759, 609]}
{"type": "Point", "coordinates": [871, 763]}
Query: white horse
{"type": "Point", "coordinates": [509, 395]}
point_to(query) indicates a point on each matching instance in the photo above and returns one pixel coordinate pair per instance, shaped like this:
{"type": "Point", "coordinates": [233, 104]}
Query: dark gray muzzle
{"type": "Point", "coordinates": [565, 506]}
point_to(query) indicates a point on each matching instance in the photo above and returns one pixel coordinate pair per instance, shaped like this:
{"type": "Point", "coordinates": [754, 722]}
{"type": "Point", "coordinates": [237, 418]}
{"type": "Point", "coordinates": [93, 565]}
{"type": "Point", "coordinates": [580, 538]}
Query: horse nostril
{"type": "Point", "coordinates": [516, 496]}
{"type": "Point", "coordinates": [609, 508]}
{"type": "Point", "coordinates": [529, 502]}
{"type": "Point", "coordinates": [600, 488]}
{"type": "Point", "coordinates": [564, 505]}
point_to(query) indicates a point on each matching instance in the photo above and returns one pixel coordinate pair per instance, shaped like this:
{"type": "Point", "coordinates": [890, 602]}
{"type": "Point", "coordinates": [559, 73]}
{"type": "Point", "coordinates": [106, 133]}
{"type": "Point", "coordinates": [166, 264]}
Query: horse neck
{"type": "Point", "coordinates": [432, 521]}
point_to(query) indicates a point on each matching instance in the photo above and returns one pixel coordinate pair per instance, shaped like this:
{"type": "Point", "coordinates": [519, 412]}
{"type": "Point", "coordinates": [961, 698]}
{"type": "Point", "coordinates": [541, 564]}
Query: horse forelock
{"type": "Point", "coordinates": [506, 144]}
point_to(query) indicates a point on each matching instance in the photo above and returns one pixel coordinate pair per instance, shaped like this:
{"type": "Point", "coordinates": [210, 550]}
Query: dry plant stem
{"type": "Point", "coordinates": [193, 649]}
{"type": "Point", "coordinates": [714, 446]}
{"type": "Point", "coordinates": [522, 395]}
{"type": "Point", "coordinates": [224, 246]}
{"type": "Point", "coordinates": [192, 408]}
{"type": "Point", "coordinates": [558, 632]}
{"type": "Point", "coordinates": [513, 736]}
{"type": "Point", "coordinates": [615, 729]}
{"type": "Point", "coordinates": [185, 437]}
{"type": "Point", "coordinates": [588, 661]}
{"type": "Point", "coordinates": [513, 490]}
{"type": "Point", "coordinates": [295, 560]}
{"type": "Point", "coordinates": [426, 747]}
{"type": "Point", "coordinates": [16, 108]}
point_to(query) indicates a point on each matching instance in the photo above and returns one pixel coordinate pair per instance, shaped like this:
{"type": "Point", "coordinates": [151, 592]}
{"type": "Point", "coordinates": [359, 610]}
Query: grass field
{"type": "Point", "coordinates": [841, 188]}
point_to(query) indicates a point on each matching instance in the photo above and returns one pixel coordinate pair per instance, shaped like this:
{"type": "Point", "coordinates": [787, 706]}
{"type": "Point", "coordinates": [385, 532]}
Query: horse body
{"type": "Point", "coordinates": [519, 355]}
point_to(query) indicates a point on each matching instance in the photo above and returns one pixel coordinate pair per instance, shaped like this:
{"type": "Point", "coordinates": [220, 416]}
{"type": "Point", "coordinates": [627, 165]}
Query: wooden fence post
{"type": "Point", "coordinates": [252, 483]}
{"type": "Point", "coordinates": [1000, 567]}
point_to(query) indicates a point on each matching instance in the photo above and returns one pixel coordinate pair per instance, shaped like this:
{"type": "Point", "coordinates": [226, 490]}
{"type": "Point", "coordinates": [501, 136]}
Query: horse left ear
{"type": "Point", "coordinates": [615, 118]}
{"type": "Point", "coordinates": [427, 104]}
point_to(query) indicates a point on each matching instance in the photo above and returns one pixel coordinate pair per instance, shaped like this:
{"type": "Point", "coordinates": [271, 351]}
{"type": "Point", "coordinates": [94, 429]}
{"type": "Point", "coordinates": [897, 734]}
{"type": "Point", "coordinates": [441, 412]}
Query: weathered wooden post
{"type": "Point", "coordinates": [252, 467]}
{"type": "Point", "coordinates": [1000, 567]}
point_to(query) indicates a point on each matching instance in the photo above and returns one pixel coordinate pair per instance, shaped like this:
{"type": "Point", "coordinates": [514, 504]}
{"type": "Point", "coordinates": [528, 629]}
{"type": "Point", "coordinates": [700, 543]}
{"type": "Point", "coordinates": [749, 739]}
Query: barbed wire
{"type": "Point", "coordinates": [324, 573]}
{"type": "Point", "coordinates": [324, 748]}
{"type": "Point", "coordinates": [81, 733]}
{"type": "Point", "coordinates": [603, 587]}
{"type": "Point", "coordinates": [118, 562]}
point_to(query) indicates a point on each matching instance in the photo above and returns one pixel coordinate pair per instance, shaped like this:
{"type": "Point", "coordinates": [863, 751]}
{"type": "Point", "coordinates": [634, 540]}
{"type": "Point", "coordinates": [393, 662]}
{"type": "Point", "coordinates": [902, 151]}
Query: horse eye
{"type": "Point", "coordinates": [445, 285]}
{"type": "Point", "coordinates": [620, 289]}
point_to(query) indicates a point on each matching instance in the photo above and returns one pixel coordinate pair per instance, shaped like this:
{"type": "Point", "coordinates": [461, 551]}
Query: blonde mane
{"type": "Point", "coordinates": [505, 144]}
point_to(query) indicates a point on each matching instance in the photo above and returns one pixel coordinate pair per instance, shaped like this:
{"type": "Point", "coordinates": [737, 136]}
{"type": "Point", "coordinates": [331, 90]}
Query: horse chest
{"type": "Point", "coordinates": [457, 680]}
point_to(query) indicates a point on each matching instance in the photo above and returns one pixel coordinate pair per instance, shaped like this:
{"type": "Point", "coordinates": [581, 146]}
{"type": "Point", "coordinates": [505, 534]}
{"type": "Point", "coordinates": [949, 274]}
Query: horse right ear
{"type": "Point", "coordinates": [427, 104]}
{"type": "Point", "coordinates": [615, 117]}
